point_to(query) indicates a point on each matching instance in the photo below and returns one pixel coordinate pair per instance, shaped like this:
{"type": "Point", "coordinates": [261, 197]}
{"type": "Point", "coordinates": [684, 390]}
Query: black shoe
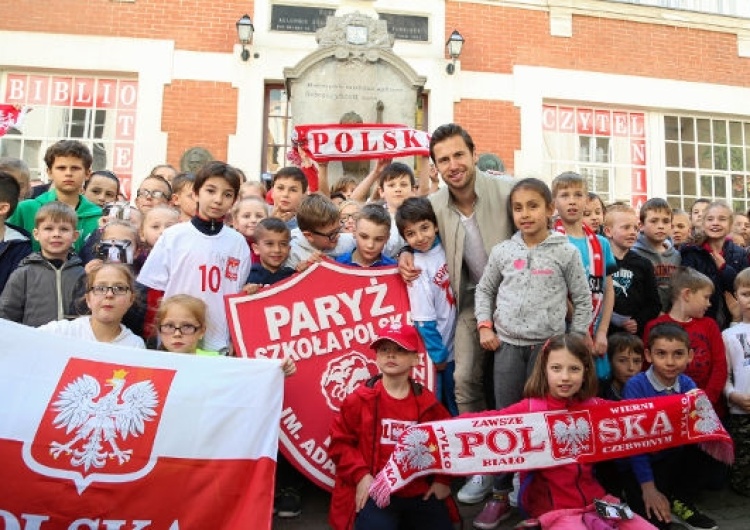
{"type": "Point", "coordinates": [288, 503]}
{"type": "Point", "coordinates": [691, 518]}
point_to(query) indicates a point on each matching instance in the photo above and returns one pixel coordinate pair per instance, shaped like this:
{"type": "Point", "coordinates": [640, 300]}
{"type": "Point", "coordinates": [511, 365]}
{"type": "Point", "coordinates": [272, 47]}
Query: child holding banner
{"type": "Point", "coordinates": [365, 432]}
{"type": "Point", "coordinates": [564, 378]}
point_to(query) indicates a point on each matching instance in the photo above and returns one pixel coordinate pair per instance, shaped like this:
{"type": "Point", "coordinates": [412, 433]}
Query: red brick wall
{"type": "Point", "coordinates": [193, 24]}
{"type": "Point", "coordinates": [498, 38]}
{"type": "Point", "coordinates": [198, 114]}
{"type": "Point", "coordinates": [495, 127]}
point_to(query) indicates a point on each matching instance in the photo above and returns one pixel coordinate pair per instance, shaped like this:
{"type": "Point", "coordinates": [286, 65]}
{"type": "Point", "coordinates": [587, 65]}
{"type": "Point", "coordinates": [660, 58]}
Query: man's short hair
{"type": "Point", "coordinates": [623, 341]}
{"type": "Point", "coordinates": [446, 131]}
{"type": "Point", "coordinates": [742, 279]}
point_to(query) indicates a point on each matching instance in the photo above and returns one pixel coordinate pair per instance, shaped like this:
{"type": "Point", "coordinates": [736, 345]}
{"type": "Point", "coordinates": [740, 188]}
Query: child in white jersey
{"type": "Point", "coordinates": [203, 258]}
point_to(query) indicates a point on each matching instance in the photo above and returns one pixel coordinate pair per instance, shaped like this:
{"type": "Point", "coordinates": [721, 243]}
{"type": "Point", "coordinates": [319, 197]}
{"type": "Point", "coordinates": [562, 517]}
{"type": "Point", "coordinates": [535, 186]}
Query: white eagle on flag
{"type": "Point", "coordinates": [101, 420]}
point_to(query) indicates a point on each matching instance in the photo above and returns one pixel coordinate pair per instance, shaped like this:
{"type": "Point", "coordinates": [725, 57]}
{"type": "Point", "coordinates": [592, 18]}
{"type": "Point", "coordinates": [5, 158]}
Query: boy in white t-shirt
{"type": "Point", "coordinates": [203, 257]}
{"type": "Point", "coordinates": [433, 306]}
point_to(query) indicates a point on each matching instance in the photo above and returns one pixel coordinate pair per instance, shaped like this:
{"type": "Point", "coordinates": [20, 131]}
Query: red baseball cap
{"type": "Point", "coordinates": [402, 334]}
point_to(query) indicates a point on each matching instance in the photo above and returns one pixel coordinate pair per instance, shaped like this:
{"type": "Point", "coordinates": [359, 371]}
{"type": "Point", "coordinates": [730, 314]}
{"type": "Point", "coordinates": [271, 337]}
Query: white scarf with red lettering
{"type": "Point", "coordinates": [509, 443]}
{"type": "Point", "coordinates": [360, 141]}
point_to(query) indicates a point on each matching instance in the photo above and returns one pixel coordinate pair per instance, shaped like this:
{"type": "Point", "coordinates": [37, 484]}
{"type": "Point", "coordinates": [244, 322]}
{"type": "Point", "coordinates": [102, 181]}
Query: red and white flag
{"type": "Point", "coordinates": [360, 141]}
{"type": "Point", "coordinates": [96, 436]}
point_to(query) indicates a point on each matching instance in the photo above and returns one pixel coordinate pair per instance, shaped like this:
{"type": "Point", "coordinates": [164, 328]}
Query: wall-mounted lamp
{"type": "Point", "coordinates": [245, 30]}
{"type": "Point", "coordinates": [454, 45]}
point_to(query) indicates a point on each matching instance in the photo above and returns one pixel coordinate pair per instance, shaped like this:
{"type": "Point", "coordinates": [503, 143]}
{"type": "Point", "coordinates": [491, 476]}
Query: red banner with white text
{"type": "Point", "coordinates": [324, 319]}
{"type": "Point", "coordinates": [360, 141]}
{"type": "Point", "coordinates": [94, 436]}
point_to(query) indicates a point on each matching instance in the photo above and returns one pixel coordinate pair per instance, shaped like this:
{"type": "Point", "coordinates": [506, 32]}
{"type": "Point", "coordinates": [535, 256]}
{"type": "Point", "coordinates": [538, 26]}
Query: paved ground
{"type": "Point", "coordinates": [731, 512]}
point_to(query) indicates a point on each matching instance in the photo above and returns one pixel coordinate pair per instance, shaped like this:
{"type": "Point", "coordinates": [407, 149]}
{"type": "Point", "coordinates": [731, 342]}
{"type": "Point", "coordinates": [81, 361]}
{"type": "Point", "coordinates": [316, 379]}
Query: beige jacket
{"type": "Point", "coordinates": [493, 219]}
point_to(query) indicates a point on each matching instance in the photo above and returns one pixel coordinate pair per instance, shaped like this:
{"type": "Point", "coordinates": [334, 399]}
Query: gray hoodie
{"type": "Point", "coordinates": [665, 263]}
{"type": "Point", "coordinates": [528, 289]}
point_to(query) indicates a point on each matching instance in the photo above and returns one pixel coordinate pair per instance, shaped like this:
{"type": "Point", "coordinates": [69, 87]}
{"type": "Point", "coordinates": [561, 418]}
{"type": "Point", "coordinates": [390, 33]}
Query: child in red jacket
{"type": "Point", "coordinates": [365, 432]}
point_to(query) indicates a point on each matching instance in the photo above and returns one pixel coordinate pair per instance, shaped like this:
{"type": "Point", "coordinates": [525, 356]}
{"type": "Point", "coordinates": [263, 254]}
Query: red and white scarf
{"type": "Point", "coordinates": [518, 442]}
{"type": "Point", "coordinates": [594, 269]}
{"type": "Point", "coordinates": [360, 141]}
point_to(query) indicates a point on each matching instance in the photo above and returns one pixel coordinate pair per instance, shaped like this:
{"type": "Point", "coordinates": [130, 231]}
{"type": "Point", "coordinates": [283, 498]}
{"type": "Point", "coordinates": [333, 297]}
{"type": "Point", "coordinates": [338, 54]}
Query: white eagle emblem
{"type": "Point", "coordinates": [102, 420]}
{"type": "Point", "coordinates": [572, 435]}
{"type": "Point", "coordinates": [413, 451]}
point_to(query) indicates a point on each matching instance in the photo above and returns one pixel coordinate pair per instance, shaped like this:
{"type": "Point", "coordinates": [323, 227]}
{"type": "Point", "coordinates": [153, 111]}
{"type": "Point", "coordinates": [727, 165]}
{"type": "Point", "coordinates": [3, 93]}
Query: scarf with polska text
{"type": "Point", "coordinates": [520, 442]}
{"type": "Point", "coordinates": [594, 269]}
{"type": "Point", "coordinates": [360, 141]}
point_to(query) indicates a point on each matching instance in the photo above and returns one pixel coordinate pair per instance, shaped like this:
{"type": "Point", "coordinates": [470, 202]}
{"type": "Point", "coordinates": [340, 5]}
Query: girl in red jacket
{"type": "Point", "coordinates": [561, 497]}
{"type": "Point", "coordinates": [365, 432]}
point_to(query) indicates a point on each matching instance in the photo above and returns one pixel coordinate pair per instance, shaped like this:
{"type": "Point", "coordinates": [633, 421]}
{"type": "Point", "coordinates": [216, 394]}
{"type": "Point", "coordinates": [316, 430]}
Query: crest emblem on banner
{"type": "Point", "coordinates": [570, 434]}
{"type": "Point", "coordinates": [100, 423]}
{"type": "Point", "coordinates": [325, 319]}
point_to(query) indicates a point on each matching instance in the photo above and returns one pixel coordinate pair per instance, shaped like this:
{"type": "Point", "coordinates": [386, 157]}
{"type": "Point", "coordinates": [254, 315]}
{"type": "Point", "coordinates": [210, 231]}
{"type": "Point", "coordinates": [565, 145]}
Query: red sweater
{"type": "Point", "coordinates": [709, 365]}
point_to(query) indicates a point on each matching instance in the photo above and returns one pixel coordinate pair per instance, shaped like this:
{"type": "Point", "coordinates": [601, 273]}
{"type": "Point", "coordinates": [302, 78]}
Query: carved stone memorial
{"type": "Point", "coordinates": [353, 72]}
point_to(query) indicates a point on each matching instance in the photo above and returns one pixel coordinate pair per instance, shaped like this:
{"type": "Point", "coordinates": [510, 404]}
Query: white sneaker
{"type": "Point", "coordinates": [476, 489]}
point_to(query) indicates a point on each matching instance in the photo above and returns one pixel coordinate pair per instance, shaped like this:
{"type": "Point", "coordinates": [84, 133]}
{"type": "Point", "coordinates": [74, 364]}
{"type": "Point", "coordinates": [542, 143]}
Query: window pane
{"type": "Point", "coordinates": [736, 161]}
{"type": "Point", "coordinates": [673, 154]}
{"type": "Point", "coordinates": [735, 133]}
{"type": "Point", "coordinates": [739, 187]}
{"type": "Point", "coordinates": [720, 157]}
{"type": "Point", "coordinates": [720, 131]}
{"type": "Point", "coordinates": [671, 131]}
{"type": "Point", "coordinates": [706, 186]}
{"type": "Point", "coordinates": [673, 183]}
{"type": "Point", "coordinates": [720, 186]}
{"type": "Point", "coordinates": [704, 130]}
{"type": "Point", "coordinates": [688, 155]}
{"type": "Point", "coordinates": [688, 183]}
{"type": "Point", "coordinates": [674, 202]}
{"type": "Point", "coordinates": [705, 157]}
{"type": "Point", "coordinates": [687, 129]}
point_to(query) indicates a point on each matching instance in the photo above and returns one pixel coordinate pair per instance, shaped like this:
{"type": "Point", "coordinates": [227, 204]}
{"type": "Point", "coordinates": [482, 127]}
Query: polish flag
{"type": "Point", "coordinates": [94, 436]}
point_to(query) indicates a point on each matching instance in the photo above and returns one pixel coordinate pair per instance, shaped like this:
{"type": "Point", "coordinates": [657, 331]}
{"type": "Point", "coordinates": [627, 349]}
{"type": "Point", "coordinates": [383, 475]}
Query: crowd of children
{"type": "Point", "coordinates": [583, 296]}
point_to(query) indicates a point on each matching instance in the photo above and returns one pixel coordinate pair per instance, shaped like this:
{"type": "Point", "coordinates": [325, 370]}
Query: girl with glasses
{"type": "Point", "coordinates": [109, 294]}
{"type": "Point", "coordinates": [181, 323]}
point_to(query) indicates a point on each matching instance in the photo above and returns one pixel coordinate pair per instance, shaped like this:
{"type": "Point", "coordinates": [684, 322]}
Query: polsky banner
{"type": "Point", "coordinates": [324, 319]}
{"type": "Point", "coordinates": [94, 436]}
{"type": "Point", "coordinates": [360, 141]}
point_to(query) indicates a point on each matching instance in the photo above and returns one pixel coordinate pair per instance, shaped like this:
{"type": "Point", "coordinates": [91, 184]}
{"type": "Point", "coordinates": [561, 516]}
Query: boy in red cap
{"type": "Point", "coordinates": [365, 432]}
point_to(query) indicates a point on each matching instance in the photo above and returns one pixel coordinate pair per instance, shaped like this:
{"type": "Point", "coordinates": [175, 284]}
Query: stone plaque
{"type": "Point", "coordinates": [194, 158]}
{"type": "Point", "coordinates": [298, 18]}
{"type": "Point", "coordinates": [407, 27]}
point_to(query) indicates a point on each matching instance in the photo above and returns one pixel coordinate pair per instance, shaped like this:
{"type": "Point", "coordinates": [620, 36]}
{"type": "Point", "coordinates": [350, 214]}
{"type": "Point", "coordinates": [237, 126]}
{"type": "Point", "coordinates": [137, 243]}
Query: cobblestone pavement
{"type": "Point", "coordinates": [731, 512]}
